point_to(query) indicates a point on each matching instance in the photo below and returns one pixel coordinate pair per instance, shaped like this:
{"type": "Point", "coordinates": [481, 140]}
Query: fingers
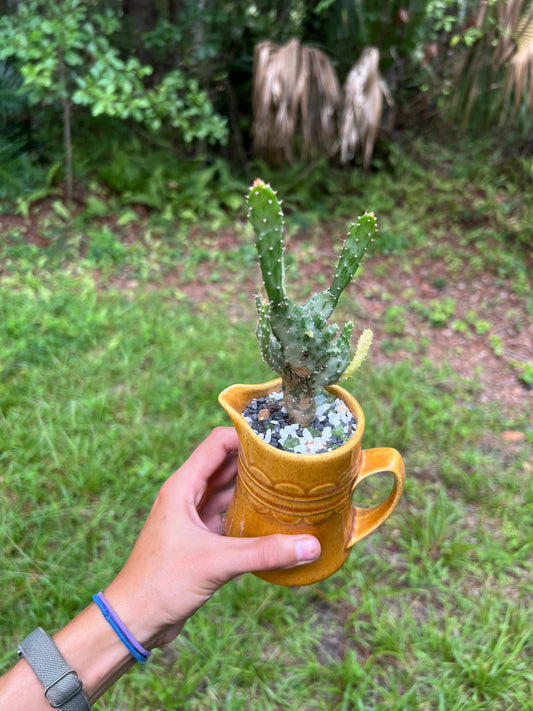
{"type": "Point", "coordinates": [212, 452]}
{"type": "Point", "coordinates": [269, 553]}
{"type": "Point", "coordinates": [211, 512]}
{"type": "Point", "coordinates": [214, 459]}
{"type": "Point", "coordinates": [210, 456]}
{"type": "Point", "coordinates": [223, 476]}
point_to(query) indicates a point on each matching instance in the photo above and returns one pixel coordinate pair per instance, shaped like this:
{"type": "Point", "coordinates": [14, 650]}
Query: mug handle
{"type": "Point", "coordinates": [374, 461]}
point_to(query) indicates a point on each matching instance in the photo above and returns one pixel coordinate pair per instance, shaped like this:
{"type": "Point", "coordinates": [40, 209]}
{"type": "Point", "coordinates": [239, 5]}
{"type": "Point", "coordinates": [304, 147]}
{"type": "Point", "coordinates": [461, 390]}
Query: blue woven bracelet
{"type": "Point", "coordinates": [134, 648]}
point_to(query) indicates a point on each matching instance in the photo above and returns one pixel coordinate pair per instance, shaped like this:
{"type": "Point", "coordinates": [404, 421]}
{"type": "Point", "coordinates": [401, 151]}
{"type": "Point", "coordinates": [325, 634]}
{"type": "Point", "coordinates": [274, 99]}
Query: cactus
{"type": "Point", "coordinates": [295, 340]}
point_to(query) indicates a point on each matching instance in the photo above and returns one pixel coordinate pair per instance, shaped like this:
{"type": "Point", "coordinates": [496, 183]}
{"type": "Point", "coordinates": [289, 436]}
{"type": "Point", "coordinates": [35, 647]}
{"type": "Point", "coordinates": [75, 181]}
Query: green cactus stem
{"type": "Point", "coordinates": [297, 341]}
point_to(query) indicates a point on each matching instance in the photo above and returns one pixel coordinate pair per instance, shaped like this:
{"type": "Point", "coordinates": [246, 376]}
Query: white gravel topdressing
{"type": "Point", "coordinates": [333, 426]}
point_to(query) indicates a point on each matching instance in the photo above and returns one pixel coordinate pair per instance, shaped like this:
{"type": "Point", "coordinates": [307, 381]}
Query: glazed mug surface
{"type": "Point", "coordinates": [283, 492]}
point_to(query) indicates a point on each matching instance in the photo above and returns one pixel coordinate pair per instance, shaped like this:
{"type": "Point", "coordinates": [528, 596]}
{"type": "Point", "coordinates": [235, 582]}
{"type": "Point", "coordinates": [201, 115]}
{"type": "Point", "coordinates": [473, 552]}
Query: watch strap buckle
{"type": "Point", "coordinates": [62, 696]}
{"type": "Point", "coordinates": [63, 689]}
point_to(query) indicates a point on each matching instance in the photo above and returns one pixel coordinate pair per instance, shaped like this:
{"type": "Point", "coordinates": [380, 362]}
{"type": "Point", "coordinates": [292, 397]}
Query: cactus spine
{"type": "Point", "coordinates": [296, 341]}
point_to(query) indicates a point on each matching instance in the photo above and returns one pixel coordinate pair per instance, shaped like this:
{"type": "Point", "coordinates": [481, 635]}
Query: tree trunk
{"type": "Point", "coordinates": [140, 16]}
{"type": "Point", "coordinates": [67, 135]}
{"type": "Point", "coordinates": [68, 148]}
{"type": "Point", "coordinates": [141, 13]}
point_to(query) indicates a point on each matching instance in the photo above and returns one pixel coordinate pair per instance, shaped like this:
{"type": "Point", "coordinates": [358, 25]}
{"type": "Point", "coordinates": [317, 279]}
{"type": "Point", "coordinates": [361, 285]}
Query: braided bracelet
{"type": "Point", "coordinates": [135, 649]}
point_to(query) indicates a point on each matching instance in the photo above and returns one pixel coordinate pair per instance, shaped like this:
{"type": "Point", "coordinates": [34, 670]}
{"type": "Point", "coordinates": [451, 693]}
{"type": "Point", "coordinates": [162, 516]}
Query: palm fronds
{"type": "Point", "coordinates": [320, 103]}
{"type": "Point", "coordinates": [362, 108]}
{"type": "Point", "coordinates": [275, 84]}
{"type": "Point", "coordinates": [295, 89]}
{"type": "Point", "coordinates": [517, 23]}
{"type": "Point", "coordinates": [493, 77]}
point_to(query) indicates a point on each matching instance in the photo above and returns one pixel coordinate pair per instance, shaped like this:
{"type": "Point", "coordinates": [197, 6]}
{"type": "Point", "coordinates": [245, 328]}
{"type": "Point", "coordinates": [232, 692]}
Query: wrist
{"type": "Point", "coordinates": [134, 647]}
{"type": "Point", "coordinates": [142, 613]}
{"type": "Point", "coordinates": [89, 646]}
{"type": "Point", "coordinates": [92, 648]}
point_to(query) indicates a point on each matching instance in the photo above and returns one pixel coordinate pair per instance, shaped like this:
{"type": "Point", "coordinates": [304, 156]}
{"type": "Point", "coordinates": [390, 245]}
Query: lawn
{"type": "Point", "coordinates": [119, 327]}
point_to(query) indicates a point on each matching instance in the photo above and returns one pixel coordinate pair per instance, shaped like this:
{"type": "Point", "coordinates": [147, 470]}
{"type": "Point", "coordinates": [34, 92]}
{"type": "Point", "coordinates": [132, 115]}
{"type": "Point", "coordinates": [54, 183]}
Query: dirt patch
{"type": "Point", "coordinates": [420, 306]}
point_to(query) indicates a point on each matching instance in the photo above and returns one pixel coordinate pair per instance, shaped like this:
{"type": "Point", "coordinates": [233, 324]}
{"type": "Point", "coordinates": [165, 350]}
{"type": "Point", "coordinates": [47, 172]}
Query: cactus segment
{"type": "Point", "coordinates": [320, 305]}
{"type": "Point", "coordinates": [338, 357]}
{"type": "Point", "coordinates": [266, 217]}
{"type": "Point", "coordinates": [295, 340]}
{"type": "Point", "coordinates": [271, 350]}
{"type": "Point", "coordinates": [303, 339]}
{"type": "Point", "coordinates": [353, 251]}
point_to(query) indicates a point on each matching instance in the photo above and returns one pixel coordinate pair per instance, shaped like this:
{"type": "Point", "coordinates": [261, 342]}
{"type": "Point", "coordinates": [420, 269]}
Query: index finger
{"type": "Point", "coordinates": [210, 455]}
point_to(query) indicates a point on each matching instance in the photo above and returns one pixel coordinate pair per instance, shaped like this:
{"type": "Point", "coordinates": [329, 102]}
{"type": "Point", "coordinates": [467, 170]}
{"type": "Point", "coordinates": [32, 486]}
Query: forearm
{"type": "Point", "coordinates": [179, 560]}
{"type": "Point", "coordinates": [90, 647]}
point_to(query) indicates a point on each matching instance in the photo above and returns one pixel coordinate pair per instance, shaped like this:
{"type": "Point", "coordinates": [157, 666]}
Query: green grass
{"type": "Point", "coordinates": [109, 377]}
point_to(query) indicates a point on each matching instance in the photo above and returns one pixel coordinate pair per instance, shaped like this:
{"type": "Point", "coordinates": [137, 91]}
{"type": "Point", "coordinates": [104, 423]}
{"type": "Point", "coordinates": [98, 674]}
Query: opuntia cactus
{"type": "Point", "coordinates": [296, 341]}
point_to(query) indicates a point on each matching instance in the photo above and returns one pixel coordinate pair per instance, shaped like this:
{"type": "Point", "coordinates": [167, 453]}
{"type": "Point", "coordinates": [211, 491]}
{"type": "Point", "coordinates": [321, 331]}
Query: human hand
{"type": "Point", "coordinates": [181, 557]}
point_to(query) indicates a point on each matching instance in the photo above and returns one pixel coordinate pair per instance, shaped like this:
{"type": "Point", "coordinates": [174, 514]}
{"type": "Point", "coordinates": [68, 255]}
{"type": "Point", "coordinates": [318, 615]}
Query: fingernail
{"type": "Point", "coordinates": [307, 549]}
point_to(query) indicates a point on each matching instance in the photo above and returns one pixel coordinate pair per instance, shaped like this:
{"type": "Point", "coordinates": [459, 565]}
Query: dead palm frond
{"type": "Point", "coordinates": [495, 74]}
{"type": "Point", "coordinates": [320, 101]}
{"type": "Point", "coordinates": [295, 89]}
{"type": "Point", "coordinates": [519, 81]}
{"type": "Point", "coordinates": [275, 77]}
{"type": "Point", "coordinates": [363, 107]}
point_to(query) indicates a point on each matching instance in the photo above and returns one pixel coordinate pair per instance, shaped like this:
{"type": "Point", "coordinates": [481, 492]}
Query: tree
{"type": "Point", "coordinates": [65, 56]}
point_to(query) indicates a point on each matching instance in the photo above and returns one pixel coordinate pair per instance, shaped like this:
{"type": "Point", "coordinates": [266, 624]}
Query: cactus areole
{"type": "Point", "coordinates": [297, 341]}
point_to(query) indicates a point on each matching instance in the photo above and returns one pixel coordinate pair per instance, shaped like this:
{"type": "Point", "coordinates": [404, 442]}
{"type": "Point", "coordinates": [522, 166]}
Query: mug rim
{"type": "Point", "coordinates": [271, 386]}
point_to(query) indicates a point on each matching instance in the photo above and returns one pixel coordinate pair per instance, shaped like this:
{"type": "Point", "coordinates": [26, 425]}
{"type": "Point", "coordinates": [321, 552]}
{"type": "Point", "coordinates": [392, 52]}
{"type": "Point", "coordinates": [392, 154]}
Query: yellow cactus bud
{"type": "Point", "coordinates": [363, 346]}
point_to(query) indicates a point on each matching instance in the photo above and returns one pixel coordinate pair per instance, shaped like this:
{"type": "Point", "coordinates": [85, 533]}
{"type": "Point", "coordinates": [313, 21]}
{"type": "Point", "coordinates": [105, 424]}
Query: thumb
{"type": "Point", "coordinates": [272, 552]}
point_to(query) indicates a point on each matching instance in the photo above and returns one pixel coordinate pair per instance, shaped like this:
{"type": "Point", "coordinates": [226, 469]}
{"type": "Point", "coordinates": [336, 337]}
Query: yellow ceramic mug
{"type": "Point", "coordinates": [283, 492]}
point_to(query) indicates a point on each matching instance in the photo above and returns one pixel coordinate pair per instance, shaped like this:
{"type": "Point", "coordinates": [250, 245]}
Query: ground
{"type": "Point", "coordinates": [407, 301]}
{"type": "Point", "coordinates": [449, 306]}
{"type": "Point", "coordinates": [451, 569]}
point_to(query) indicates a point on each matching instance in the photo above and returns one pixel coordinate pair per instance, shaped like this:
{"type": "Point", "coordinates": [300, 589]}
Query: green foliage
{"type": "Point", "coordinates": [437, 311]}
{"type": "Point", "coordinates": [12, 99]}
{"type": "Point", "coordinates": [17, 171]}
{"type": "Point", "coordinates": [525, 373]}
{"type": "Point", "coordinates": [176, 101]}
{"type": "Point", "coordinates": [105, 248]}
{"type": "Point", "coordinates": [395, 320]}
{"type": "Point", "coordinates": [15, 166]}
{"type": "Point", "coordinates": [344, 28]}
{"type": "Point", "coordinates": [189, 190]}
{"type": "Point", "coordinates": [483, 72]}
{"type": "Point", "coordinates": [65, 55]}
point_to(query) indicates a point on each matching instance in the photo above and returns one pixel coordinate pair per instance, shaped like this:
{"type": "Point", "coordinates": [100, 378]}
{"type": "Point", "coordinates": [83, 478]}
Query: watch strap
{"type": "Point", "coordinates": [62, 686]}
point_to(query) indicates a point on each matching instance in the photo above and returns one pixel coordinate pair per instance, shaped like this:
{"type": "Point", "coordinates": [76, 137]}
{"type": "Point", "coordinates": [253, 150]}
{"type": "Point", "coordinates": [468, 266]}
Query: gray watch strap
{"type": "Point", "coordinates": [62, 687]}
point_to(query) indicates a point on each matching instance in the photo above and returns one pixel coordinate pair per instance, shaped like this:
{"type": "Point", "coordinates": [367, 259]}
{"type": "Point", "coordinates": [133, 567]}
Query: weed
{"type": "Point", "coordinates": [437, 311]}
{"type": "Point", "coordinates": [395, 320]}
{"type": "Point", "coordinates": [461, 326]}
{"type": "Point", "coordinates": [439, 283]}
{"type": "Point", "coordinates": [496, 344]}
{"type": "Point", "coordinates": [105, 248]}
{"type": "Point", "coordinates": [525, 372]}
